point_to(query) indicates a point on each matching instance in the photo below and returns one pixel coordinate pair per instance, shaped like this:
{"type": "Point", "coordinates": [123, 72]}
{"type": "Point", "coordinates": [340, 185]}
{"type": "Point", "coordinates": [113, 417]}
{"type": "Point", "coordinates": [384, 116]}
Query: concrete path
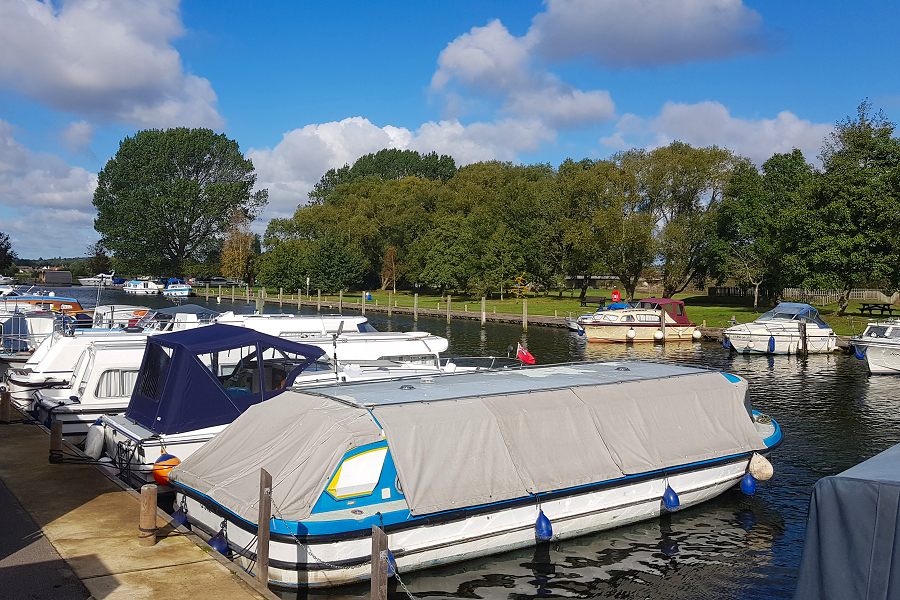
{"type": "Point", "coordinates": [92, 524]}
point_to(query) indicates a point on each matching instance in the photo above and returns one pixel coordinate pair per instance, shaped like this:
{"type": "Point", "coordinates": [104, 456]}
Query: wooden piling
{"type": "Point", "coordinates": [524, 314]}
{"type": "Point", "coordinates": [5, 406]}
{"type": "Point", "coordinates": [232, 293]}
{"type": "Point", "coordinates": [803, 344]}
{"type": "Point", "coordinates": [206, 295]}
{"type": "Point", "coordinates": [265, 518]}
{"type": "Point", "coordinates": [56, 442]}
{"type": "Point", "coordinates": [483, 311]}
{"type": "Point", "coordinates": [248, 293]}
{"type": "Point", "coordinates": [415, 307]}
{"type": "Point", "coordinates": [219, 295]}
{"type": "Point", "coordinates": [340, 301]}
{"type": "Point", "coordinates": [318, 301]}
{"type": "Point", "coordinates": [379, 576]}
{"type": "Point", "coordinates": [449, 299]}
{"type": "Point", "coordinates": [280, 297]}
{"type": "Point", "coordinates": [390, 303]}
{"type": "Point", "coordinates": [662, 323]}
{"type": "Point", "coordinates": [147, 523]}
{"type": "Point", "coordinates": [362, 303]}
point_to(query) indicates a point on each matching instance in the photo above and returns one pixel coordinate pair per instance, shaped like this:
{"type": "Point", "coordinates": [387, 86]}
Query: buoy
{"type": "Point", "coordinates": [697, 335]}
{"type": "Point", "coordinates": [658, 335]}
{"type": "Point", "coordinates": [630, 333]}
{"type": "Point", "coordinates": [771, 344]}
{"type": "Point", "coordinates": [391, 564]}
{"type": "Point", "coordinates": [748, 484]}
{"type": "Point", "coordinates": [760, 467]}
{"type": "Point", "coordinates": [726, 343]}
{"type": "Point", "coordinates": [162, 466]}
{"type": "Point", "coordinates": [543, 529]}
{"type": "Point", "coordinates": [219, 542]}
{"type": "Point", "coordinates": [859, 352]}
{"type": "Point", "coordinates": [750, 344]}
{"type": "Point", "coordinates": [179, 517]}
{"type": "Point", "coordinates": [670, 499]}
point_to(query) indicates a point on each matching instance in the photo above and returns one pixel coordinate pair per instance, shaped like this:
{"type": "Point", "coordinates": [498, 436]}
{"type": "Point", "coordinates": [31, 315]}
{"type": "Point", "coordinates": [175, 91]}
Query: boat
{"type": "Point", "coordinates": [780, 331]}
{"type": "Point", "coordinates": [648, 320]}
{"type": "Point", "coordinates": [177, 290]}
{"type": "Point", "coordinates": [6, 280]}
{"type": "Point", "coordinates": [119, 315]}
{"type": "Point", "coordinates": [297, 327]}
{"type": "Point", "coordinates": [879, 346]}
{"type": "Point", "coordinates": [467, 465]}
{"type": "Point", "coordinates": [142, 287]}
{"type": "Point", "coordinates": [44, 301]}
{"type": "Point", "coordinates": [22, 331]}
{"type": "Point", "coordinates": [97, 280]}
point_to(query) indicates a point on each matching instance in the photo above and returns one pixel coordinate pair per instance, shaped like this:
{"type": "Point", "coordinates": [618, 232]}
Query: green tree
{"type": "Point", "coordinates": [98, 259]}
{"type": "Point", "coordinates": [167, 196]}
{"type": "Point", "coordinates": [7, 256]}
{"type": "Point", "coordinates": [240, 250]}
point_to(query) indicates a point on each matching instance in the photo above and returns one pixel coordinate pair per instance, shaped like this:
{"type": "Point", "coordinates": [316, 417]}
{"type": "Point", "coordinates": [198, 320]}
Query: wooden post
{"type": "Point", "coordinates": [379, 564]}
{"type": "Point", "coordinates": [265, 518]}
{"type": "Point", "coordinates": [415, 307]}
{"type": "Point", "coordinates": [248, 293]}
{"type": "Point", "coordinates": [318, 300]}
{"type": "Point", "coordinates": [207, 291]}
{"type": "Point", "coordinates": [449, 299]}
{"type": "Point", "coordinates": [662, 323]}
{"type": "Point", "coordinates": [802, 347]}
{"type": "Point", "coordinates": [703, 325]}
{"type": "Point", "coordinates": [280, 297]}
{"type": "Point", "coordinates": [390, 302]}
{"type": "Point", "coordinates": [232, 293]}
{"type": "Point", "coordinates": [56, 443]}
{"type": "Point", "coordinates": [524, 314]}
{"type": "Point", "coordinates": [219, 295]}
{"type": "Point", "coordinates": [362, 303]}
{"type": "Point", "coordinates": [5, 406]}
{"type": "Point", "coordinates": [340, 301]}
{"type": "Point", "coordinates": [147, 524]}
{"type": "Point", "coordinates": [483, 311]}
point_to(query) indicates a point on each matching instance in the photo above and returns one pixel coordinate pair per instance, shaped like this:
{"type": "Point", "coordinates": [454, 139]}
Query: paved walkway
{"type": "Point", "coordinates": [91, 524]}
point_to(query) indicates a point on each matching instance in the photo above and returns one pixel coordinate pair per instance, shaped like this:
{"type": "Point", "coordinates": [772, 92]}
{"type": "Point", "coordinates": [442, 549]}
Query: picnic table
{"type": "Point", "coordinates": [869, 308]}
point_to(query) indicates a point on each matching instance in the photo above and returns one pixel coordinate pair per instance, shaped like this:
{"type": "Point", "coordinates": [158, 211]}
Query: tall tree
{"type": "Point", "coordinates": [168, 196]}
{"type": "Point", "coordinates": [7, 256]}
{"type": "Point", "coordinates": [98, 259]}
{"type": "Point", "coordinates": [240, 249]}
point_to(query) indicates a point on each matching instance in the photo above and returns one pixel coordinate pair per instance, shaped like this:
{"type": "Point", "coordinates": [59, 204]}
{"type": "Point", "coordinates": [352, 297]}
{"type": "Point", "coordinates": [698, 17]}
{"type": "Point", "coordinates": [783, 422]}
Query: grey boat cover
{"type": "Point", "coordinates": [852, 547]}
{"type": "Point", "coordinates": [467, 451]}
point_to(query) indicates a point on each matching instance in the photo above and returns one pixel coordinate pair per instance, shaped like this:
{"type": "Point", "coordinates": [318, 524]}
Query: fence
{"type": "Point", "coordinates": [819, 297]}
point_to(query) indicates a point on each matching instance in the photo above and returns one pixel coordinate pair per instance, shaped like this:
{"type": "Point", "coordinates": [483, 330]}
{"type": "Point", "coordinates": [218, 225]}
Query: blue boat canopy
{"type": "Point", "coordinates": [794, 311]}
{"type": "Point", "coordinates": [210, 375]}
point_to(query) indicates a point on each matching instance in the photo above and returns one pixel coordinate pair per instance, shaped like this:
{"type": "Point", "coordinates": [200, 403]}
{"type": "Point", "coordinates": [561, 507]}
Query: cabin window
{"type": "Point", "coordinates": [876, 331]}
{"type": "Point", "coordinates": [239, 370]}
{"type": "Point", "coordinates": [116, 383]}
{"type": "Point", "coordinates": [157, 361]}
{"type": "Point", "coordinates": [357, 475]}
{"type": "Point", "coordinates": [679, 310]}
{"type": "Point", "coordinates": [609, 317]}
{"type": "Point", "coordinates": [365, 327]}
{"type": "Point", "coordinates": [628, 318]}
{"type": "Point", "coordinates": [428, 360]}
{"type": "Point", "coordinates": [278, 365]}
{"type": "Point", "coordinates": [894, 332]}
{"type": "Point", "coordinates": [648, 318]}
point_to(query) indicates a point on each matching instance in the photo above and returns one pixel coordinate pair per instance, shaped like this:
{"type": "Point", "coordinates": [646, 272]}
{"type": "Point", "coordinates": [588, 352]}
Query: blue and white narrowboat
{"type": "Point", "coordinates": [466, 465]}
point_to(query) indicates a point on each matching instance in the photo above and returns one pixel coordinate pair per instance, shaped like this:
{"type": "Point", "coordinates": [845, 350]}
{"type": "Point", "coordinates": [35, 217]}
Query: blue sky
{"type": "Point", "coordinates": [307, 86]}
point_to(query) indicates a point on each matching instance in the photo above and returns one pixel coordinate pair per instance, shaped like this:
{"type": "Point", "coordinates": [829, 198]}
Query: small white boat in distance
{"type": "Point", "coordinates": [177, 290]}
{"type": "Point", "coordinates": [98, 279]}
{"type": "Point", "coordinates": [4, 280]}
{"type": "Point", "coordinates": [137, 286]}
{"type": "Point", "coordinates": [779, 332]}
{"type": "Point", "coordinates": [879, 346]}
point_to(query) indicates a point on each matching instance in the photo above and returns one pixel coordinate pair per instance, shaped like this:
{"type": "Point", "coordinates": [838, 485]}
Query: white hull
{"type": "Point", "coordinates": [786, 342]}
{"type": "Point", "coordinates": [176, 293]}
{"type": "Point", "coordinates": [141, 292]}
{"type": "Point", "coordinates": [22, 389]}
{"type": "Point", "coordinates": [883, 359]}
{"type": "Point", "coordinates": [480, 535]}
{"type": "Point", "coordinates": [619, 333]}
{"type": "Point", "coordinates": [76, 419]}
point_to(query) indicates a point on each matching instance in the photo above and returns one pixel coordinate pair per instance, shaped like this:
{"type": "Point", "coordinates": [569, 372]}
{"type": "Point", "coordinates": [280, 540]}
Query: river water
{"type": "Point", "coordinates": [834, 415]}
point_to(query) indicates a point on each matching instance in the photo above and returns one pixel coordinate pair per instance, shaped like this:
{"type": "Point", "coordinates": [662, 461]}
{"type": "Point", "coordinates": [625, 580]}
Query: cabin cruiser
{"type": "Point", "coordinates": [21, 332]}
{"type": "Point", "coordinates": [49, 301]}
{"type": "Point", "coordinates": [297, 327]}
{"type": "Point", "coordinates": [177, 290]}
{"type": "Point", "coordinates": [99, 279]}
{"type": "Point", "coordinates": [780, 331]}
{"type": "Point", "coordinates": [119, 315]}
{"type": "Point", "coordinates": [649, 320]}
{"type": "Point", "coordinates": [563, 450]}
{"type": "Point", "coordinates": [879, 346]}
{"type": "Point", "coordinates": [142, 287]}
{"type": "Point", "coordinates": [6, 280]}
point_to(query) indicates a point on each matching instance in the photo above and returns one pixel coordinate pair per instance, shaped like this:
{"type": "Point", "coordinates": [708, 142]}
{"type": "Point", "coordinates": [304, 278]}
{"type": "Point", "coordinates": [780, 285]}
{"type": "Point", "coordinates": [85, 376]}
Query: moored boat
{"type": "Point", "coordinates": [103, 279]}
{"type": "Point", "coordinates": [561, 451]}
{"type": "Point", "coordinates": [177, 290]}
{"type": "Point", "coordinates": [879, 346]}
{"type": "Point", "coordinates": [781, 331]}
{"type": "Point", "coordinates": [142, 287]}
{"type": "Point", "coordinates": [649, 320]}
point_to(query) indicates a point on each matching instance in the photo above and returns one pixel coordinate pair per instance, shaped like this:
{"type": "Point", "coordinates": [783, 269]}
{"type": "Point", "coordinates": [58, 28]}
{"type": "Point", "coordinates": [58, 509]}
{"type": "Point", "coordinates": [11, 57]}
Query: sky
{"type": "Point", "coordinates": [305, 86]}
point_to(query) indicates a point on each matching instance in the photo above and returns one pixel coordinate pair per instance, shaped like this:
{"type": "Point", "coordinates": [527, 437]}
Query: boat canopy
{"type": "Point", "coordinates": [794, 311]}
{"type": "Point", "coordinates": [466, 440]}
{"type": "Point", "coordinates": [208, 376]}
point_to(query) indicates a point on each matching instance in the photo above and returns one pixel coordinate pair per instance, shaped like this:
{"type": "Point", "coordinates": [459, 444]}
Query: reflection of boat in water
{"type": "Point", "coordinates": [879, 346]}
{"type": "Point", "coordinates": [651, 319]}
{"type": "Point", "coordinates": [590, 446]}
{"type": "Point", "coordinates": [779, 331]}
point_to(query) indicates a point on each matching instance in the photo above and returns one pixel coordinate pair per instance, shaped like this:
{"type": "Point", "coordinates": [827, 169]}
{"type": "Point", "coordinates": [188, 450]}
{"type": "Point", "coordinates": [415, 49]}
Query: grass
{"type": "Point", "coordinates": [716, 312]}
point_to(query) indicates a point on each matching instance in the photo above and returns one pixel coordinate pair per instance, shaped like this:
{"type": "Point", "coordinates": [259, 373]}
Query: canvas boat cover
{"type": "Point", "coordinates": [527, 433]}
{"type": "Point", "coordinates": [852, 547]}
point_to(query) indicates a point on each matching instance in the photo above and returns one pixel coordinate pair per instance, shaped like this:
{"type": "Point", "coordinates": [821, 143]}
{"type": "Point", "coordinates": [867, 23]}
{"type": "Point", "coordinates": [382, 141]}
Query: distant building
{"type": "Point", "coordinates": [49, 277]}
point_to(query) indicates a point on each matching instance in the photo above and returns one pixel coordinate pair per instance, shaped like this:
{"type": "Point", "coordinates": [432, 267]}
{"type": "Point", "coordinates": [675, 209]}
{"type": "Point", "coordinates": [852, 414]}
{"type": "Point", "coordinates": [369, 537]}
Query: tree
{"type": "Point", "coordinates": [7, 256]}
{"type": "Point", "coordinates": [330, 264]}
{"type": "Point", "coordinates": [168, 196]}
{"type": "Point", "coordinates": [98, 261]}
{"type": "Point", "coordinates": [852, 236]}
{"type": "Point", "coordinates": [240, 249]}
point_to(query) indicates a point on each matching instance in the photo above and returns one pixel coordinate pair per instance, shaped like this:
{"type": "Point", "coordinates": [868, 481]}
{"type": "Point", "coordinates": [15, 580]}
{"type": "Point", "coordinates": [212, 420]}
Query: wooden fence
{"type": "Point", "coordinates": [819, 297]}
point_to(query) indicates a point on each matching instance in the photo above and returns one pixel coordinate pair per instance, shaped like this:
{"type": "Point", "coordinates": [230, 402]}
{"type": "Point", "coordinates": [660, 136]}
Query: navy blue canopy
{"type": "Point", "coordinates": [208, 376]}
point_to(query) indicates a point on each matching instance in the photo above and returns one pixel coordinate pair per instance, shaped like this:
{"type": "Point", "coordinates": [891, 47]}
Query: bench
{"type": "Point", "coordinates": [601, 300]}
{"type": "Point", "coordinates": [869, 308]}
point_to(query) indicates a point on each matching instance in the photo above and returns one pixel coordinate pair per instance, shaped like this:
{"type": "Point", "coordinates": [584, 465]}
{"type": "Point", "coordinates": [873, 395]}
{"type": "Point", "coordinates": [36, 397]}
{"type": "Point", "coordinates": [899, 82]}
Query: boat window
{"type": "Point", "coordinates": [679, 309]}
{"type": "Point", "coordinates": [429, 360]}
{"type": "Point", "coordinates": [278, 365]}
{"type": "Point", "coordinates": [365, 327]}
{"type": "Point", "coordinates": [86, 373]}
{"type": "Point", "coordinates": [116, 383]}
{"type": "Point", "coordinates": [157, 362]}
{"type": "Point", "coordinates": [357, 475]}
{"type": "Point", "coordinates": [648, 318]}
{"type": "Point", "coordinates": [876, 331]}
{"type": "Point", "coordinates": [628, 318]}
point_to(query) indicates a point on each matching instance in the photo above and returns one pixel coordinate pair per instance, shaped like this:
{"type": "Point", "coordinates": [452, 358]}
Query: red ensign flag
{"type": "Point", "coordinates": [524, 355]}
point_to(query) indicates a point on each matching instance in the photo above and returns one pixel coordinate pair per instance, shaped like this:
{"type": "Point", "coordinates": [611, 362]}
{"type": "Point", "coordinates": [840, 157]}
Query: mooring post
{"type": "Point", "coordinates": [281, 297]}
{"type": "Point", "coordinates": [449, 299]}
{"type": "Point", "coordinates": [483, 310]}
{"type": "Point", "coordinates": [379, 564]}
{"type": "Point", "coordinates": [524, 314]}
{"type": "Point", "coordinates": [248, 293]}
{"type": "Point", "coordinates": [362, 303]}
{"type": "Point", "coordinates": [5, 406]}
{"type": "Point", "coordinates": [207, 291]}
{"type": "Point", "coordinates": [662, 322]}
{"type": "Point", "coordinates": [219, 295]}
{"type": "Point", "coordinates": [703, 324]}
{"type": "Point", "coordinates": [318, 300]}
{"type": "Point", "coordinates": [265, 518]}
{"type": "Point", "coordinates": [390, 302]}
{"type": "Point", "coordinates": [340, 301]}
{"type": "Point", "coordinates": [147, 523]}
{"type": "Point", "coordinates": [415, 307]}
{"type": "Point", "coordinates": [802, 345]}
{"type": "Point", "coordinates": [56, 443]}
{"type": "Point", "coordinates": [232, 293]}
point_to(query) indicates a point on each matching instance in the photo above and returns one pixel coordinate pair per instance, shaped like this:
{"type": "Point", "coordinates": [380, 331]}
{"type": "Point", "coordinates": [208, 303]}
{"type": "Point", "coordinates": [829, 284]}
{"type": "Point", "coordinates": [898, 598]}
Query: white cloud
{"type": "Point", "coordinates": [106, 59]}
{"type": "Point", "coordinates": [710, 123]}
{"type": "Point", "coordinates": [77, 135]}
{"type": "Point", "coordinates": [622, 33]}
{"type": "Point", "coordinates": [292, 168]}
{"type": "Point", "coordinates": [46, 203]}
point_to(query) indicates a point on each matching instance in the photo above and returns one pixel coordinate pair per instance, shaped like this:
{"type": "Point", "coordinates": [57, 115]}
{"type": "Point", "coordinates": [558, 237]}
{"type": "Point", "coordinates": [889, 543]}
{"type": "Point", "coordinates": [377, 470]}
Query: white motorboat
{"type": "Point", "coordinates": [780, 331]}
{"type": "Point", "coordinates": [562, 451]}
{"type": "Point", "coordinates": [879, 346]}
{"type": "Point", "coordinates": [177, 290]}
{"type": "Point", "coordinates": [142, 287]}
{"type": "Point", "coordinates": [109, 316]}
{"type": "Point", "coordinates": [22, 331]}
{"type": "Point", "coordinates": [650, 320]}
{"type": "Point", "coordinates": [297, 327]}
{"type": "Point", "coordinates": [103, 279]}
{"type": "Point", "coordinates": [6, 281]}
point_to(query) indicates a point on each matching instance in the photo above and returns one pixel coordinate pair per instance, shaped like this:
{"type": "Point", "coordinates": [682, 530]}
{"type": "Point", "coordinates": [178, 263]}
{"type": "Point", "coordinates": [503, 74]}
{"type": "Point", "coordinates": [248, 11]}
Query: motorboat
{"type": "Point", "coordinates": [103, 279]}
{"type": "Point", "coordinates": [177, 290]}
{"type": "Point", "coordinates": [119, 315]}
{"type": "Point", "coordinates": [297, 327]}
{"type": "Point", "coordinates": [101, 384]}
{"type": "Point", "coordinates": [44, 301]}
{"type": "Point", "coordinates": [142, 287]}
{"type": "Point", "coordinates": [22, 331]}
{"type": "Point", "coordinates": [649, 320]}
{"type": "Point", "coordinates": [780, 331]}
{"type": "Point", "coordinates": [562, 451]}
{"type": "Point", "coordinates": [879, 346]}
{"type": "Point", "coordinates": [6, 280]}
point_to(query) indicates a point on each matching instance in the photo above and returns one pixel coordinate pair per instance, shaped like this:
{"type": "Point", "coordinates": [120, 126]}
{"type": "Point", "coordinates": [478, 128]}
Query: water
{"type": "Point", "coordinates": [734, 547]}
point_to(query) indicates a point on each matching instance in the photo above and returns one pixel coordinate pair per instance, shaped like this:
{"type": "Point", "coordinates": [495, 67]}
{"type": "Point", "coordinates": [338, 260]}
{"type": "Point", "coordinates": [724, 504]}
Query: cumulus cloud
{"type": "Point", "coordinates": [490, 61]}
{"type": "Point", "coordinates": [622, 33]}
{"type": "Point", "coordinates": [106, 59]}
{"type": "Point", "coordinates": [41, 193]}
{"type": "Point", "coordinates": [290, 169]}
{"type": "Point", "coordinates": [77, 136]}
{"type": "Point", "coordinates": [710, 123]}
